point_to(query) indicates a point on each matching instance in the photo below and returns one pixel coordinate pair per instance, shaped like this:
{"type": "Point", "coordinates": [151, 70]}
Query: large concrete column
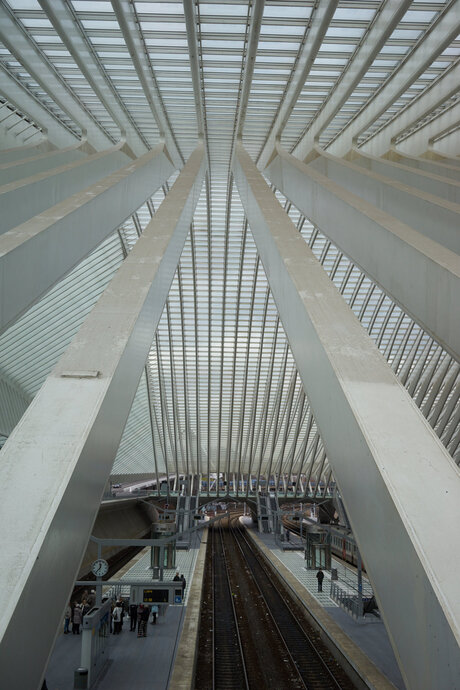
{"type": "Point", "coordinates": [418, 273]}
{"type": "Point", "coordinates": [441, 186]}
{"type": "Point", "coordinates": [443, 168]}
{"type": "Point", "coordinates": [36, 254]}
{"type": "Point", "coordinates": [17, 153]}
{"type": "Point", "coordinates": [385, 456]}
{"type": "Point", "coordinates": [425, 212]}
{"type": "Point", "coordinates": [33, 164]}
{"type": "Point", "coordinates": [27, 197]}
{"type": "Point", "coordinates": [58, 458]}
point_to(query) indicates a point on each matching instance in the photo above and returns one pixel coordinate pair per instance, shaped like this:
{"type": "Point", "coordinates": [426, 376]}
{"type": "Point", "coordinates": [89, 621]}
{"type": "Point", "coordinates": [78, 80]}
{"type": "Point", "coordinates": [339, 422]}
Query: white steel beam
{"type": "Point", "coordinates": [388, 17]}
{"type": "Point", "coordinates": [444, 187]}
{"type": "Point", "coordinates": [434, 132]}
{"type": "Point", "coordinates": [33, 60]}
{"type": "Point", "coordinates": [36, 254]}
{"type": "Point", "coordinates": [443, 32]}
{"type": "Point", "coordinates": [437, 167]}
{"type": "Point", "coordinates": [126, 16]}
{"type": "Point", "coordinates": [322, 15]}
{"type": "Point", "coordinates": [51, 126]}
{"type": "Point", "coordinates": [440, 91]}
{"type": "Point", "coordinates": [193, 50]}
{"type": "Point", "coordinates": [38, 162]}
{"type": "Point", "coordinates": [23, 199]}
{"type": "Point", "coordinates": [80, 413]}
{"type": "Point", "coordinates": [383, 452]}
{"type": "Point", "coordinates": [253, 42]}
{"type": "Point", "coordinates": [64, 20]}
{"type": "Point", "coordinates": [18, 153]}
{"type": "Point", "coordinates": [419, 274]}
{"type": "Point", "coordinates": [429, 214]}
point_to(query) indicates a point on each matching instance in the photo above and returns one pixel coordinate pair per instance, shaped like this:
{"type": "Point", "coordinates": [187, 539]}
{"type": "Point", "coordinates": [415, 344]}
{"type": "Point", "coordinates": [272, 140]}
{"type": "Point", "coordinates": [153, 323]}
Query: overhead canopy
{"type": "Point", "coordinates": [220, 392]}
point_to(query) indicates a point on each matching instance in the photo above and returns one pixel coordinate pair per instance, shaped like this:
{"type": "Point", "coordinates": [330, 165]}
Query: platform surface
{"type": "Point", "coordinates": [141, 663]}
{"type": "Point", "coordinates": [371, 637]}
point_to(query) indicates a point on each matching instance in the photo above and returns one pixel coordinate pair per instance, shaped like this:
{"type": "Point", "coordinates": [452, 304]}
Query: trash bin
{"type": "Point", "coordinates": [80, 679]}
{"type": "Point", "coordinates": [334, 574]}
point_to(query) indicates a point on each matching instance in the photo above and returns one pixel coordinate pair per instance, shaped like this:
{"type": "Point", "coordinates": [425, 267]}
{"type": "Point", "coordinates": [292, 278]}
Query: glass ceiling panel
{"type": "Point", "coordinates": [220, 374]}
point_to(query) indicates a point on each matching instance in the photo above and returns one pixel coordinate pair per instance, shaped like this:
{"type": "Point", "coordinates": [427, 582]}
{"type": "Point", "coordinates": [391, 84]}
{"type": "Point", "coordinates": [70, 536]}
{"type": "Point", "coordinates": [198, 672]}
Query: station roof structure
{"type": "Point", "coordinates": [220, 391]}
{"type": "Point", "coordinates": [164, 308]}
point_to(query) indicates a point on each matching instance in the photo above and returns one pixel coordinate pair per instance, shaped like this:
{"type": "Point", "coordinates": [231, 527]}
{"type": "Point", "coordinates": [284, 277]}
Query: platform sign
{"type": "Point", "coordinates": [155, 596]}
{"type": "Point", "coordinates": [157, 592]}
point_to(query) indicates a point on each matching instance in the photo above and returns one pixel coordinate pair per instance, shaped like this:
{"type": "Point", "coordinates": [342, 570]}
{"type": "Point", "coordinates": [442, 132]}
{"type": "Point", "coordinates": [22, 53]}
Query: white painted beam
{"type": "Point", "coordinates": [25, 198]}
{"type": "Point", "coordinates": [194, 58]}
{"type": "Point", "coordinates": [33, 164]}
{"type": "Point", "coordinates": [55, 131]}
{"type": "Point", "coordinates": [426, 213]}
{"type": "Point", "coordinates": [431, 166]}
{"type": "Point", "coordinates": [444, 187]}
{"type": "Point", "coordinates": [322, 15]}
{"type": "Point", "coordinates": [439, 37]}
{"type": "Point", "coordinates": [63, 19]}
{"type": "Point", "coordinates": [126, 16]}
{"type": "Point", "coordinates": [18, 153]}
{"type": "Point", "coordinates": [253, 42]}
{"type": "Point", "coordinates": [29, 55]}
{"type": "Point", "coordinates": [387, 19]}
{"type": "Point", "coordinates": [434, 132]}
{"type": "Point", "coordinates": [36, 254]}
{"type": "Point", "coordinates": [383, 452]}
{"type": "Point", "coordinates": [440, 91]}
{"type": "Point", "coordinates": [79, 414]}
{"type": "Point", "coordinates": [418, 273]}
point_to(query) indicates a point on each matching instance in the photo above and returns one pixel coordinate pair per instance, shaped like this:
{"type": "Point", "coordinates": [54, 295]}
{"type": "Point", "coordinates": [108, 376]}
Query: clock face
{"type": "Point", "coordinates": [100, 567]}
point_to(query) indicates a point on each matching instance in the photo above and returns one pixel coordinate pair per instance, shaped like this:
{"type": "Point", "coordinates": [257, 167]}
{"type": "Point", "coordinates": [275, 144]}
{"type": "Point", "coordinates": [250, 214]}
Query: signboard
{"type": "Point", "coordinates": [157, 592]}
{"type": "Point", "coordinates": [156, 596]}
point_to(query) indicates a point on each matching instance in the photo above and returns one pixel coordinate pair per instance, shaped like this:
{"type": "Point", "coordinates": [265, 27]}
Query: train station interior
{"type": "Point", "coordinates": [229, 344]}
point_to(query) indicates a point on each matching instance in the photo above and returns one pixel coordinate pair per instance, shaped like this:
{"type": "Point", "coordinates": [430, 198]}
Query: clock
{"type": "Point", "coordinates": [100, 567]}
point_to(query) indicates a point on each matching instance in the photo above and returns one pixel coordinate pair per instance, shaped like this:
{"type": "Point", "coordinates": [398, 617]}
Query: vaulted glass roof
{"type": "Point", "coordinates": [220, 391]}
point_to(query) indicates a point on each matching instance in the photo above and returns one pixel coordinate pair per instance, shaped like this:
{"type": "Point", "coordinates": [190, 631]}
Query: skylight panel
{"type": "Point", "coordinates": [343, 32]}
{"type": "Point", "coordinates": [285, 11]}
{"type": "Point", "coordinates": [337, 48]}
{"type": "Point", "coordinates": [159, 7]}
{"type": "Point", "coordinates": [354, 14]}
{"type": "Point", "coordinates": [405, 34]}
{"type": "Point", "coordinates": [100, 24]}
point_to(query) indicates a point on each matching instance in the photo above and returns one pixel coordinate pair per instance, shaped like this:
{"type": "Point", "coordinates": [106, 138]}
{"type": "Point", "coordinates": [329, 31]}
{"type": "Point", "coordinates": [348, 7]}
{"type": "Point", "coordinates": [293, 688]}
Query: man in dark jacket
{"type": "Point", "coordinates": [320, 578]}
{"type": "Point", "coordinates": [133, 616]}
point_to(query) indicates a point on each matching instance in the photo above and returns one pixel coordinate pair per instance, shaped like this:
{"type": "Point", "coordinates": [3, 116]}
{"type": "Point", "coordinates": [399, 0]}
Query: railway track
{"type": "Point", "coordinates": [252, 635]}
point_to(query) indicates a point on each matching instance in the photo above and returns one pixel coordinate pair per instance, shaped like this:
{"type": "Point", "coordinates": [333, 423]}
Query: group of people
{"type": "Point", "coordinates": [75, 611]}
{"type": "Point", "coordinates": [138, 614]}
{"type": "Point", "coordinates": [180, 578]}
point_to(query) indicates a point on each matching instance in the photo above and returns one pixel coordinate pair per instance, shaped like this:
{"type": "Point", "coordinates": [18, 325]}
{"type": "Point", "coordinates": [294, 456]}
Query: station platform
{"type": "Point", "coordinates": [364, 643]}
{"type": "Point", "coordinates": [144, 663]}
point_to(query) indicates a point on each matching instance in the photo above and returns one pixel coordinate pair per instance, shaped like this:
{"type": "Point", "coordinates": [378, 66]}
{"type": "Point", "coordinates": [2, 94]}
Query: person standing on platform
{"type": "Point", "coordinates": [140, 610]}
{"type": "Point", "coordinates": [184, 584]}
{"type": "Point", "coordinates": [67, 617]}
{"type": "Point", "coordinates": [133, 616]}
{"type": "Point", "coordinates": [176, 577]}
{"type": "Point", "coordinates": [320, 578]}
{"type": "Point", "coordinates": [116, 615]}
{"type": "Point", "coordinates": [154, 614]}
{"type": "Point", "coordinates": [77, 619]}
{"type": "Point", "coordinates": [142, 626]}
